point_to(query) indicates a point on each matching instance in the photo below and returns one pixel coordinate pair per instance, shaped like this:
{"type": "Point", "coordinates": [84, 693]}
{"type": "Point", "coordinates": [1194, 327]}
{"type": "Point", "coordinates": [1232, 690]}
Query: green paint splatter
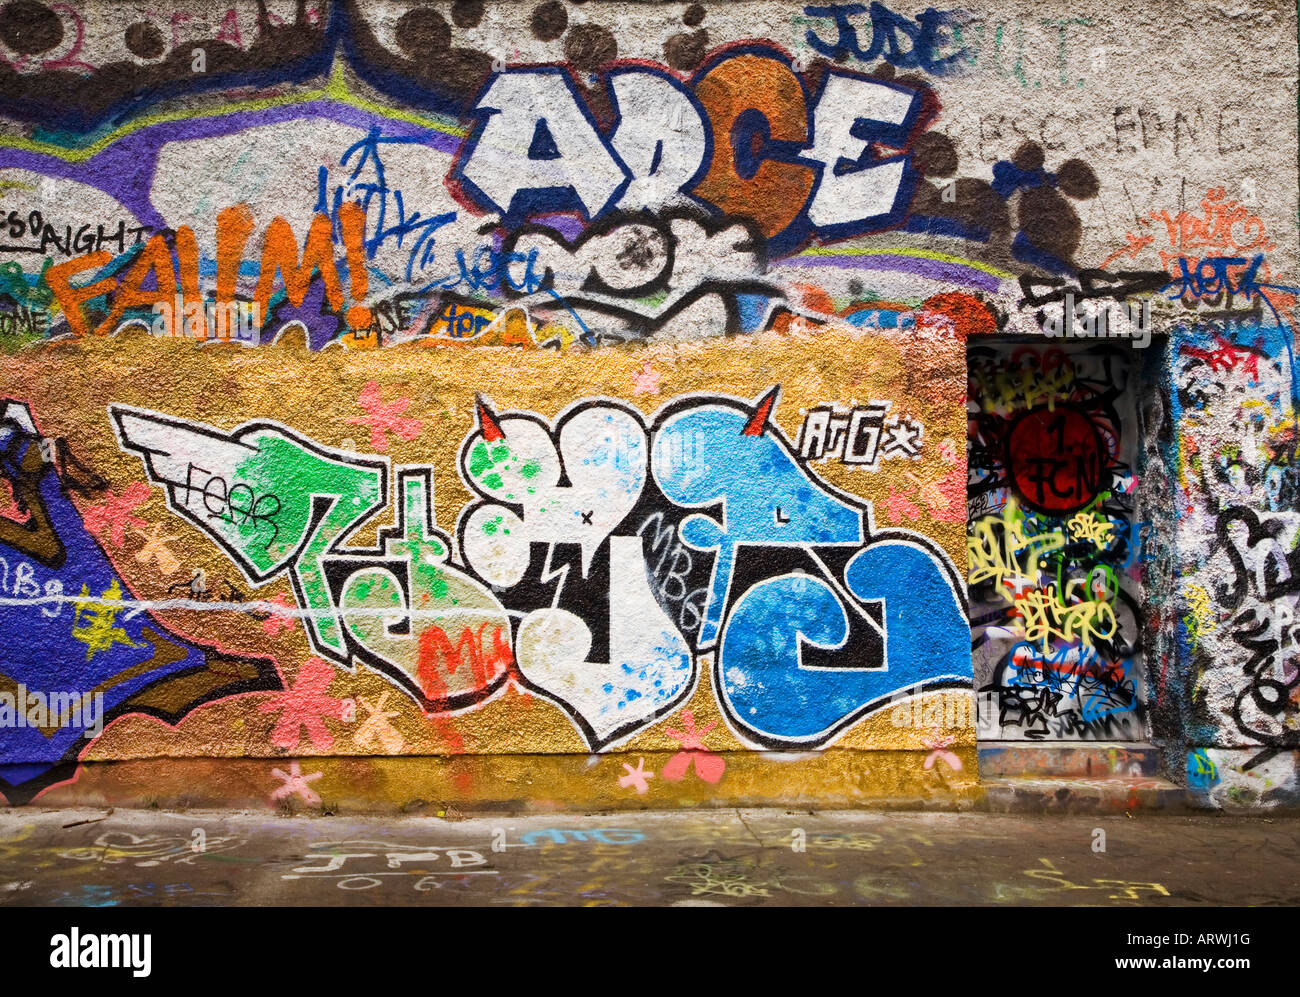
{"type": "Point", "coordinates": [479, 461]}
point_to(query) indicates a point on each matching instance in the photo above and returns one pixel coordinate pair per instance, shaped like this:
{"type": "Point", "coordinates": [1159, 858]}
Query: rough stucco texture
{"type": "Point", "coordinates": [637, 403]}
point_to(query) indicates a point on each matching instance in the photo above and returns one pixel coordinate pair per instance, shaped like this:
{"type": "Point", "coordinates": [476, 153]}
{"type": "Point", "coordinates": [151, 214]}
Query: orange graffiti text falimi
{"type": "Point", "coordinates": [163, 271]}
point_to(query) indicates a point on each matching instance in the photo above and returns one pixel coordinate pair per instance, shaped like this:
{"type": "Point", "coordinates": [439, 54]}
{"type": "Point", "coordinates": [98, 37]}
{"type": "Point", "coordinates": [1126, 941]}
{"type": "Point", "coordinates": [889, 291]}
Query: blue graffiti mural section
{"type": "Point", "coordinates": [775, 695]}
{"type": "Point", "coordinates": [883, 613]}
{"type": "Point", "coordinates": [726, 458]}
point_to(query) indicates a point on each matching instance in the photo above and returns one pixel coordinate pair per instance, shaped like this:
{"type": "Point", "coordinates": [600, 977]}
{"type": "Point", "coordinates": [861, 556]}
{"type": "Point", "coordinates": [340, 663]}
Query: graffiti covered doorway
{"type": "Point", "coordinates": [1054, 541]}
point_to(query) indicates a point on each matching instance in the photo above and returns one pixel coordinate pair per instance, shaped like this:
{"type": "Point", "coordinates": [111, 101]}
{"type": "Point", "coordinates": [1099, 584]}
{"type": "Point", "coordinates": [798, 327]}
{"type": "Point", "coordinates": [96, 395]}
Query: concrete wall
{"type": "Point", "coordinates": [561, 403]}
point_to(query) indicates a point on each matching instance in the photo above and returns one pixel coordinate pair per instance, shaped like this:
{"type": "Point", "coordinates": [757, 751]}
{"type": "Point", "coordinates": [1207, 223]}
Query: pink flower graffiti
{"type": "Point", "coordinates": [384, 419]}
{"type": "Point", "coordinates": [305, 704]}
{"type": "Point", "coordinates": [638, 777]}
{"type": "Point", "coordinates": [646, 381]}
{"type": "Point", "coordinates": [900, 507]}
{"type": "Point", "coordinates": [708, 766]}
{"type": "Point", "coordinates": [280, 621]}
{"type": "Point", "coordinates": [114, 513]}
{"type": "Point", "coordinates": [295, 783]}
{"type": "Point", "coordinates": [938, 745]}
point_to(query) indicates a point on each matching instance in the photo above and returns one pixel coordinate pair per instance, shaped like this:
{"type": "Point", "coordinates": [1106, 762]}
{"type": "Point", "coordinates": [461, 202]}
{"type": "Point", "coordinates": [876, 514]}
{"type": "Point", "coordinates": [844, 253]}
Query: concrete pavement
{"type": "Point", "coordinates": [695, 858]}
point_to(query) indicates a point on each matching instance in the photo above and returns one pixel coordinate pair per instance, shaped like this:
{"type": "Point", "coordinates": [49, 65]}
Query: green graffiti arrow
{"type": "Point", "coordinates": [268, 496]}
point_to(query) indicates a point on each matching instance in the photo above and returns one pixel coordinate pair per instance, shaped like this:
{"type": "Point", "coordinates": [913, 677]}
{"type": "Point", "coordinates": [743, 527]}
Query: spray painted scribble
{"type": "Point", "coordinates": [1055, 544]}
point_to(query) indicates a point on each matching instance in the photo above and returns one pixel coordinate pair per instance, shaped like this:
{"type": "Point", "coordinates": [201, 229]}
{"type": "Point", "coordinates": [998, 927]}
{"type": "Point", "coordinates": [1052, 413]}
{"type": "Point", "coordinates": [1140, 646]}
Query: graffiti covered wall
{"type": "Point", "coordinates": [565, 402]}
{"type": "Point", "coordinates": [628, 555]}
{"type": "Point", "coordinates": [1055, 545]}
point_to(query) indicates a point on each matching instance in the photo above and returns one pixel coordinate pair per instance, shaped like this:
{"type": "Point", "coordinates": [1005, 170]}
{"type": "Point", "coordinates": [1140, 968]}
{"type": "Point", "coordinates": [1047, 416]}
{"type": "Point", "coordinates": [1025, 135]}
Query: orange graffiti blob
{"type": "Point", "coordinates": [776, 193]}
